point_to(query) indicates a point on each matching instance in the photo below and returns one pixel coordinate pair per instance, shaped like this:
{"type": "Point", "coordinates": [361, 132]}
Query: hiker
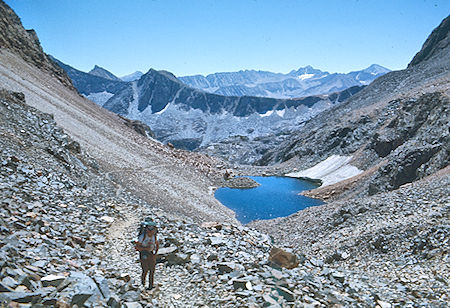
{"type": "Point", "coordinates": [147, 245]}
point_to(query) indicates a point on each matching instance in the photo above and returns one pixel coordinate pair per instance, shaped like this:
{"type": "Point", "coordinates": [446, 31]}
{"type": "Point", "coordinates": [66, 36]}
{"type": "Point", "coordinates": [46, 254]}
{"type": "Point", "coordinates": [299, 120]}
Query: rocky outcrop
{"type": "Point", "coordinates": [26, 44]}
{"type": "Point", "coordinates": [403, 168]}
{"type": "Point", "coordinates": [139, 127]}
{"type": "Point", "coordinates": [436, 43]}
{"type": "Point", "coordinates": [419, 146]}
{"type": "Point", "coordinates": [238, 182]}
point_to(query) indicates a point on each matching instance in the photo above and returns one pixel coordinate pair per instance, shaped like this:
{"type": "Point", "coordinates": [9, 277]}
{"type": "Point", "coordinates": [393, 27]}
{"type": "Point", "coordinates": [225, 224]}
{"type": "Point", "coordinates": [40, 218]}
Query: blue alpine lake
{"type": "Point", "coordinates": [276, 197]}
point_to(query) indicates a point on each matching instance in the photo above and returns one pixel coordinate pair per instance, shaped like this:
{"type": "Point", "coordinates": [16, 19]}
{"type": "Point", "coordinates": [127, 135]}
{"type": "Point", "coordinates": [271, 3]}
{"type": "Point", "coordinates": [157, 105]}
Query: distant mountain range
{"type": "Point", "coordinates": [190, 118]}
{"type": "Point", "coordinates": [305, 81]}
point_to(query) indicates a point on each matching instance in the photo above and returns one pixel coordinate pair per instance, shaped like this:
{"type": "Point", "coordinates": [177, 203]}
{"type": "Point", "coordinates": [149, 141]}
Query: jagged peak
{"type": "Point", "coordinates": [153, 72]}
{"type": "Point", "coordinates": [306, 70]}
{"type": "Point", "coordinates": [101, 72]}
{"type": "Point", "coordinates": [376, 69]}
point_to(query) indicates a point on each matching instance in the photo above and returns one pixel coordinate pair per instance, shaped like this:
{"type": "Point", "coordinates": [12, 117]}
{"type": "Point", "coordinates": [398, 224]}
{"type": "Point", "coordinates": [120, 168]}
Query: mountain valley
{"type": "Point", "coordinates": [80, 169]}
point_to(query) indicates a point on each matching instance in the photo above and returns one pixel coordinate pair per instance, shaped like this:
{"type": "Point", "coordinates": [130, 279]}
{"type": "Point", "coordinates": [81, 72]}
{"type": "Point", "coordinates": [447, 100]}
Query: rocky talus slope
{"type": "Point", "coordinates": [400, 236]}
{"type": "Point", "coordinates": [173, 179]}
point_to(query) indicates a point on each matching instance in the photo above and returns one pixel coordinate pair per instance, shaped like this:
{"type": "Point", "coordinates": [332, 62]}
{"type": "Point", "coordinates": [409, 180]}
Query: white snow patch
{"type": "Point", "coordinates": [100, 98]}
{"type": "Point", "coordinates": [133, 112]}
{"type": "Point", "coordinates": [268, 113]}
{"type": "Point", "coordinates": [164, 109]}
{"type": "Point", "coordinates": [305, 76]}
{"type": "Point", "coordinates": [332, 170]}
{"type": "Point", "coordinates": [281, 112]}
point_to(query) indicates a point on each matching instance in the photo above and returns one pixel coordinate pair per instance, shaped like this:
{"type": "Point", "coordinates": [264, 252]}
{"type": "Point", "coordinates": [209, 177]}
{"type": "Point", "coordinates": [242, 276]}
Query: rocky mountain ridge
{"type": "Point", "coordinates": [189, 118]}
{"type": "Point", "coordinates": [435, 45]}
{"type": "Point", "coordinates": [101, 72]}
{"type": "Point", "coordinates": [305, 81]}
{"type": "Point", "coordinates": [94, 87]}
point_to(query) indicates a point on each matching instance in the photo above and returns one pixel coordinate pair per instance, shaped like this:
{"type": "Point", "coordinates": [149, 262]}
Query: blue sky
{"type": "Point", "coordinates": [200, 37]}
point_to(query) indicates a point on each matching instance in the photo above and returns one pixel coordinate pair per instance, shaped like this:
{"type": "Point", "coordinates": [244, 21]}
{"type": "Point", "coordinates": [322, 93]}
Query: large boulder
{"type": "Point", "coordinates": [282, 258]}
{"type": "Point", "coordinates": [84, 290]}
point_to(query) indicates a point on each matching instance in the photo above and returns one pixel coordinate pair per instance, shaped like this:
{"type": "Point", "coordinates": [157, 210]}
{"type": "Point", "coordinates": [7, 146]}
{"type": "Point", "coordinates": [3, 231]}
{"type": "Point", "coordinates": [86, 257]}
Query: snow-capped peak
{"type": "Point", "coordinates": [305, 76]}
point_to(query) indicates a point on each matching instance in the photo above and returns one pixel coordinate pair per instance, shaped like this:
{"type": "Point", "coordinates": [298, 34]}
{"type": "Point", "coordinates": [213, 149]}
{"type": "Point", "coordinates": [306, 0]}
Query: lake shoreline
{"type": "Point", "coordinates": [274, 196]}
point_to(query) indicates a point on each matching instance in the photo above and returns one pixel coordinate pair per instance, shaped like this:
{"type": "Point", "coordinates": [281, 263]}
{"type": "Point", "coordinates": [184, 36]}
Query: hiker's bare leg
{"type": "Point", "coordinates": [151, 274]}
{"type": "Point", "coordinates": [143, 276]}
{"type": "Point", "coordinates": [150, 279]}
{"type": "Point", "coordinates": [145, 268]}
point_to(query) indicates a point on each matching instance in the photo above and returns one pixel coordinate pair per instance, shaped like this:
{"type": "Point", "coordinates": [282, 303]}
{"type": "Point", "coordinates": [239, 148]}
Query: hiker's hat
{"type": "Point", "coordinates": [148, 222]}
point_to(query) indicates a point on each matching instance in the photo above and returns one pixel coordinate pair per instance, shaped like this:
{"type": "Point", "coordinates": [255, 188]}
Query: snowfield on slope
{"type": "Point", "coordinates": [332, 170]}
